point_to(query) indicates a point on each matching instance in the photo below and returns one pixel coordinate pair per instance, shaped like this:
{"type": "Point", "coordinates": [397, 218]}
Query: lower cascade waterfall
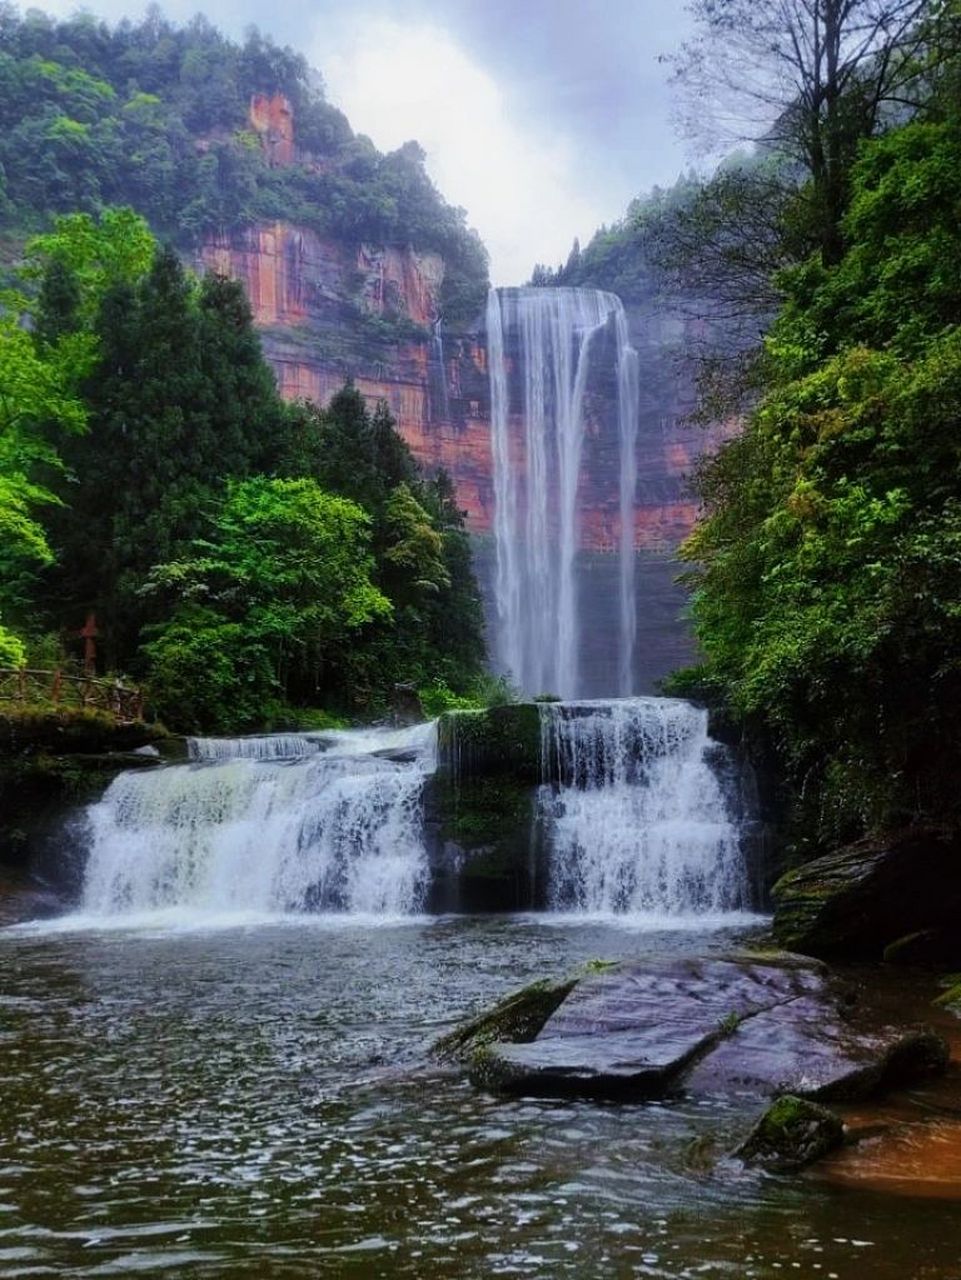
{"type": "Point", "coordinates": [636, 811]}
{"type": "Point", "coordinates": [284, 823]}
{"type": "Point", "coordinates": [639, 813]}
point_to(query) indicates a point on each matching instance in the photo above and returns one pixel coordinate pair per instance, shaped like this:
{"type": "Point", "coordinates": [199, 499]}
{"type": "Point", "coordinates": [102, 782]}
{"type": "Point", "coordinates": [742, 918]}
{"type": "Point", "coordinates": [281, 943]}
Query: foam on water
{"type": "Point", "coordinates": [267, 826]}
{"type": "Point", "coordinates": [635, 812]}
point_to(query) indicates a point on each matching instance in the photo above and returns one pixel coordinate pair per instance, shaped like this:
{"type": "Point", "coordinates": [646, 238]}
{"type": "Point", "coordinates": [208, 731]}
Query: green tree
{"type": "Point", "coordinates": [37, 408]}
{"type": "Point", "coordinates": [287, 572]}
{"type": "Point", "coordinates": [180, 400]}
{"type": "Point", "coordinates": [827, 579]}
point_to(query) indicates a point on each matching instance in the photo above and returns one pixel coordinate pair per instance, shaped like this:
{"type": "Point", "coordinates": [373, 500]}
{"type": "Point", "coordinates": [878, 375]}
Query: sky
{"type": "Point", "coordinates": [542, 118]}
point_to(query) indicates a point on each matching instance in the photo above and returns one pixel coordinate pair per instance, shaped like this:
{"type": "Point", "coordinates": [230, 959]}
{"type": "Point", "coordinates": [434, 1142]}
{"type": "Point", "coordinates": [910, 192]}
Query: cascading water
{"type": "Point", "coordinates": [441, 399]}
{"type": "Point", "coordinates": [536, 475]}
{"type": "Point", "coordinates": [290, 823]}
{"type": "Point", "coordinates": [634, 813]}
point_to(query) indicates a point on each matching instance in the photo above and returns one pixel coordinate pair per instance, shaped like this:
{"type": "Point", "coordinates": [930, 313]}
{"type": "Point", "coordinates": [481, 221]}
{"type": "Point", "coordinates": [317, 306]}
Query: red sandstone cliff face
{"type": "Point", "coordinates": [328, 311]}
{"type": "Point", "coordinates": [272, 117]}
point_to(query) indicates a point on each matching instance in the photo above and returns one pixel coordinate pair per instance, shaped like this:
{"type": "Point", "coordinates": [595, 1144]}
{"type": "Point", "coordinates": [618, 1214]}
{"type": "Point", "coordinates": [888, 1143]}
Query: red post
{"type": "Point", "coordinates": [88, 633]}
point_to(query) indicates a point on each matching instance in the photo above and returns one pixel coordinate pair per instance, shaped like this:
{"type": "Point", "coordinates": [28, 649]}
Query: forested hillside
{"type": "Point", "coordinates": [243, 555]}
{"type": "Point", "coordinates": [160, 118]}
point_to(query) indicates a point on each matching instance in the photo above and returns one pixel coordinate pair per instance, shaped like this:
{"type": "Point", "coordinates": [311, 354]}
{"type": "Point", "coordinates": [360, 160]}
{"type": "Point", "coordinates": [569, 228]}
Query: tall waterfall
{"type": "Point", "coordinates": [326, 822]}
{"type": "Point", "coordinates": [440, 403]}
{"type": "Point", "coordinates": [635, 811]}
{"type": "Point", "coordinates": [555, 333]}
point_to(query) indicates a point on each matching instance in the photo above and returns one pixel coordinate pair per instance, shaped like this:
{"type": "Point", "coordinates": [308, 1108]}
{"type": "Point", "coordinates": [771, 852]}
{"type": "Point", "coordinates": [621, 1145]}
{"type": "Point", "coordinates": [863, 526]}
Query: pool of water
{"type": "Point", "coordinates": [257, 1101]}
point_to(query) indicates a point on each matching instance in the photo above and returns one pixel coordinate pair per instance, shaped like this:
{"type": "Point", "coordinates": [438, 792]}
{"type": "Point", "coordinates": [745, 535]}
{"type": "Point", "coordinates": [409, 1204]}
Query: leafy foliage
{"type": "Point", "coordinates": [827, 586]}
{"type": "Point", "coordinates": [276, 592]}
{"type": "Point", "coordinates": [243, 554]}
{"type": "Point", "coordinates": [157, 117]}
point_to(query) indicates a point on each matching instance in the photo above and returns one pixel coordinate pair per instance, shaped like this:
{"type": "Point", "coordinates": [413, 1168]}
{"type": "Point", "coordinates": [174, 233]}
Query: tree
{"type": "Point", "coordinates": [812, 78]}
{"type": "Point", "coordinates": [117, 247]}
{"type": "Point", "coordinates": [827, 567]}
{"type": "Point", "coordinates": [37, 408]}
{"type": "Point", "coordinates": [284, 580]}
{"type": "Point", "coordinates": [180, 399]}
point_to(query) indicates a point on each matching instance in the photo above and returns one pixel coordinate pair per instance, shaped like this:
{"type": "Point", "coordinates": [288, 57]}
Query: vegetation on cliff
{"type": "Point", "coordinates": [826, 579]}
{"type": "Point", "coordinates": [238, 553]}
{"type": "Point", "coordinates": [825, 572]}
{"type": "Point", "coordinates": [158, 117]}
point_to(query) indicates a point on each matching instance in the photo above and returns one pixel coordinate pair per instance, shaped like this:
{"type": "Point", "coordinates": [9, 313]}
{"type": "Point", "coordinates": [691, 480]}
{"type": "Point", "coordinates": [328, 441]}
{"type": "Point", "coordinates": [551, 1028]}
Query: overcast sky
{"type": "Point", "coordinates": [541, 117]}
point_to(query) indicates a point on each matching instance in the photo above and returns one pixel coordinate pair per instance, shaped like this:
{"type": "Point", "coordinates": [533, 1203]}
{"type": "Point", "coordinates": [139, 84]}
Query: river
{"type": "Point", "coordinates": [256, 1100]}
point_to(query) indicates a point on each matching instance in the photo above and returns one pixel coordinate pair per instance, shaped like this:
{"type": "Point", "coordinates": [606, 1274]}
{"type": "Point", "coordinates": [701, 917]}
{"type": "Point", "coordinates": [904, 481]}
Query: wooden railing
{"type": "Point", "coordinates": [22, 686]}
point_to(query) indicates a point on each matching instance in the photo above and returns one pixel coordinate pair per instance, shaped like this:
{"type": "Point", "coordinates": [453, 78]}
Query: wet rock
{"type": "Point", "coordinates": [484, 854]}
{"type": "Point", "coordinates": [792, 1134]}
{"type": "Point", "coordinates": [406, 708]}
{"type": "Point", "coordinates": [23, 898]}
{"type": "Point", "coordinates": [614, 1065]}
{"type": "Point", "coordinates": [739, 1025]}
{"type": "Point", "coordinates": [518, 1018]}
{"type": "Point", "coordinates": [857, 901]}
{"type": "Point", "coordinates": [499, 741]}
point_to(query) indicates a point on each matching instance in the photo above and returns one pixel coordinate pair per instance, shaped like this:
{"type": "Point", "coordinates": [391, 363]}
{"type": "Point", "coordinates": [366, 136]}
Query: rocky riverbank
{"type": "Point", "coordinates": [770, 1027]}
{"type": "Point", "coordinates": [52, 762]}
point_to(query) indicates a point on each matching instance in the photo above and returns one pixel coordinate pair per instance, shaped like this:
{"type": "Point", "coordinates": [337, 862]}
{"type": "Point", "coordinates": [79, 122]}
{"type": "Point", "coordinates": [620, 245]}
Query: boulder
{"type": "Point", "coordinates": [738, 1025]}
{"type": "Point", "coordinates": [857, 901]}
{"type": "Point", "coordinates": [792, 1134]}
{"type": "Point", "coordinates": [518, 1018]}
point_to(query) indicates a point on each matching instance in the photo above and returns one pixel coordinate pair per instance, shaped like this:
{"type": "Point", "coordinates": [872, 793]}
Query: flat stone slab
{"type": "Point", "coordinates": [706, 1026]}
{"type": "Point", "coordinates": [635, 1063]}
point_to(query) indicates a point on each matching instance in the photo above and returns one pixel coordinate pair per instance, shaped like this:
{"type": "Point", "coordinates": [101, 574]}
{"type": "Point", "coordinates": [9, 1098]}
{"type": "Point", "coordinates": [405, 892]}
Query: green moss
{"type": "Point", "coordinates": [68, 730]}
{"type": "Point", "coordinates": [950, 998]}
{"type": "Point", "coordinates": [791, 1134]}
{"type": "Point", "coordinates": [498, 740]}
{"type": "Point", "coordinates": [485, 812]}
{"type": "Point", "coordinates": [517, 1019]}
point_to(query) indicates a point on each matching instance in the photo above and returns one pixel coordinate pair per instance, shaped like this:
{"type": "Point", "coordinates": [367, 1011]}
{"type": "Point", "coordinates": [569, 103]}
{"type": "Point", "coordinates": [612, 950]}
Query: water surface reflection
{"type": "Point", "coordinates": [255, 1102]}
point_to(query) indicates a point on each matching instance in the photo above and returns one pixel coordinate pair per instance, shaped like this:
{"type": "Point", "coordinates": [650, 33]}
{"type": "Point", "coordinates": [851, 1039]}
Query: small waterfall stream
{"type": "Point", "coordinates": [265, 825]}
{"type": "Point", "coordinates": [636, 812]}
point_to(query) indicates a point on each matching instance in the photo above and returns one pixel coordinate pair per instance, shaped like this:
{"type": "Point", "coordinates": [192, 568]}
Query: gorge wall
{"type": "Point", "coordinates": [329, 310]}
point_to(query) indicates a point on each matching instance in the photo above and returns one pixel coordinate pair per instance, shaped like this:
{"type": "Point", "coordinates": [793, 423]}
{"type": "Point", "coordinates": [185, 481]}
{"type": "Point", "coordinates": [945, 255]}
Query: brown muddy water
{"type": "Point", "coordinates": [255, 1101]}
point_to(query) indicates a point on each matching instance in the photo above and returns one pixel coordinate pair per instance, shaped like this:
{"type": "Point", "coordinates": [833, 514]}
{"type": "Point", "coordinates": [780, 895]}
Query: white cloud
{"type": "Point", "coordinates": [520, 185]}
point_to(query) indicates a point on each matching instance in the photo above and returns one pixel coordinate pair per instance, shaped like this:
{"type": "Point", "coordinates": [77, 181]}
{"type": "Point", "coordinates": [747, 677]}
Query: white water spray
{"type": "Point", "coordinates": [441, 405]}
{"type": "Point", "coordinates": [636, 818]}
{"type": "Point", "coordinates": [326, 822]}
{"type": "Point", "coordinates": [537, 471]}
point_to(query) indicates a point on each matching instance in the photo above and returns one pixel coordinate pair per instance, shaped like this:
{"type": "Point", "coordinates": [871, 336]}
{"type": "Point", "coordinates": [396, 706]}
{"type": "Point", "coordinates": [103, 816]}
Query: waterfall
{"type": "Point", "coordinates": [537, 460]}
{"type": "Point", "coordinates": [635, 812]}
{"type": "Point", "coordinates": [441, 406]}
{"type": "Point", "coordinates": [289, 823]}
{"type": "Point", "coordinates": [273, 746]}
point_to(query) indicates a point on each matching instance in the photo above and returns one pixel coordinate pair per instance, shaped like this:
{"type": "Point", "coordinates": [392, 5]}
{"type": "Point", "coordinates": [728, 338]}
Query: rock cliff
{"type": "Point", "coordinates": [329, 310]}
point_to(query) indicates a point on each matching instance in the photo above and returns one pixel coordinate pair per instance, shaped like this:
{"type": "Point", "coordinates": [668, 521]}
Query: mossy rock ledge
{"type": "Point", "coordinates": [860, 900]}
{"type": "Point", "coordinates": [499, 741]}
{"type": "Point", "coordinates": [740, 1025]}
{"type": "Point", "coordinates": [484, 851]}
{"type": "Point", "coordinates": [792, 1134]}
{"type": "Point", "coordinates": [53, 762]}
